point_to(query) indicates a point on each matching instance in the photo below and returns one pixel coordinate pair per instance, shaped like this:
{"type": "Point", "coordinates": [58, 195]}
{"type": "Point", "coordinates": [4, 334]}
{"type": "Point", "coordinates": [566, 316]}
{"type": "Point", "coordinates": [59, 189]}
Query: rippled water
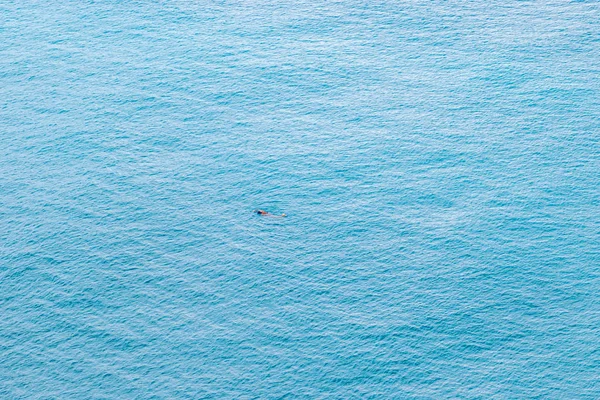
{"type": "Point", "coordinates": [438, 161]}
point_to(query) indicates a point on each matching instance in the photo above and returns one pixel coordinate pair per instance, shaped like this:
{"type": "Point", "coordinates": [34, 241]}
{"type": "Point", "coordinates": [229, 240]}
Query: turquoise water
{"type": "Point", "coordinates": [439, 163]}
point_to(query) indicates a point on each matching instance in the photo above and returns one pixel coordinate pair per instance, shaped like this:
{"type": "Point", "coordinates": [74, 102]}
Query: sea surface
{"type": "Point", "coordinates": [439, 163]}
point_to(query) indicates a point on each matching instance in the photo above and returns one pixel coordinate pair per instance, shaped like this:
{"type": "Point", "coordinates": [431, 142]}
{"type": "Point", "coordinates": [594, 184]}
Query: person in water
{"type": "Point", "coordinates": [267, 214]}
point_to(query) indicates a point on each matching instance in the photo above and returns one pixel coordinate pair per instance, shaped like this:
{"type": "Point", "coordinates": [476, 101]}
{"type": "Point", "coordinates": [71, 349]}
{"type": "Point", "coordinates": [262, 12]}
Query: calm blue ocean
{"type": "Point", "coordinates": [439, 162]}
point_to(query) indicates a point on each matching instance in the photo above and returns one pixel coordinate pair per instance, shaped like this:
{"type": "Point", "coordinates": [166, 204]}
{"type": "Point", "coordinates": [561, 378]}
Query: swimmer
{"type": "Point", "coordinates": [268, 214]}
